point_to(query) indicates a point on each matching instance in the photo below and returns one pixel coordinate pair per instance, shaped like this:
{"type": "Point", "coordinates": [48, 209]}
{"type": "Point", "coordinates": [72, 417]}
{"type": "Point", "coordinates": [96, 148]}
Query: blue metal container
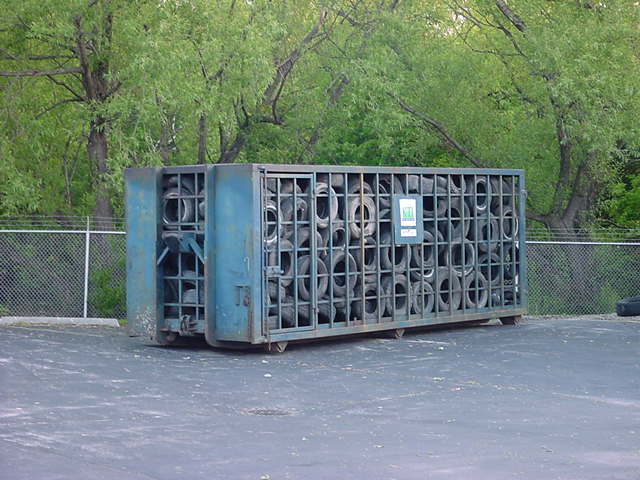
{"type": "Point", "coordinates": [248, 254]}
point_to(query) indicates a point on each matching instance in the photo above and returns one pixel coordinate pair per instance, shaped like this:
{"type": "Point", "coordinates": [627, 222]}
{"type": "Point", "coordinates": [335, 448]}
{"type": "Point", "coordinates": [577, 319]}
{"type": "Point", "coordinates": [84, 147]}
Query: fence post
{"type": "Point", "coordinates": [87, 239]}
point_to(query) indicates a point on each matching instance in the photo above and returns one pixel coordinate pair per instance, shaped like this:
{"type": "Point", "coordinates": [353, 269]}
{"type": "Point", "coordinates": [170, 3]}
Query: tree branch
{"type": "Point", "coordinates": [513, 18]}
{"type": "Point", "coordinates": [439, 128]}
{"type": "Point", "coordinates": [10, 56]}
{"type": "Point", "coordinates": [273, 91]}
{"type": "Point", "coordinates": [565, 152]}
{"type": "Point", "coordinates": [66, 87]}
{"type": "Point", "coordinates": [55, 105]}
{"type": "Point", "coordinates": [41, 73]}
{"type": "Point", "coordinates": [537, 216]}
{"type": "Point", "coordinates": [87, 80]}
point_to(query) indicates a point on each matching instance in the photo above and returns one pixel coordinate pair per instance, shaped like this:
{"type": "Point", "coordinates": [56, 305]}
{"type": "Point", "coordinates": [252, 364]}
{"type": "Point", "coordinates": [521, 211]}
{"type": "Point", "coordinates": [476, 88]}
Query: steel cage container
{"type": "Point", "coordinates": [264, 254]}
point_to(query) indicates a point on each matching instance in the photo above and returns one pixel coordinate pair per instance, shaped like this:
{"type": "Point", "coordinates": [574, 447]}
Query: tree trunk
{"type": "Point", "coordinates": [97, 152]}
{"type": "Point", "coordinates": [202, 139]}
{"type": "Point", "coordinates": [230, 155]}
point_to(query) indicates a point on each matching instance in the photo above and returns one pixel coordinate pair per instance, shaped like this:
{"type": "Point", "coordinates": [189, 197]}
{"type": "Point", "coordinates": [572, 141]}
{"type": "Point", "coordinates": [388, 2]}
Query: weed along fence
{"type": "Point", "coordinates": [266, 254]}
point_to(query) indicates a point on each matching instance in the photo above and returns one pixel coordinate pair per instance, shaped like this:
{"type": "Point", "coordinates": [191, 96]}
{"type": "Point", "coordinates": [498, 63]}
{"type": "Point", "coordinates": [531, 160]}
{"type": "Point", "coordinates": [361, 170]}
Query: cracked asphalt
{"type": "Point", "coordinates": [548, 399]}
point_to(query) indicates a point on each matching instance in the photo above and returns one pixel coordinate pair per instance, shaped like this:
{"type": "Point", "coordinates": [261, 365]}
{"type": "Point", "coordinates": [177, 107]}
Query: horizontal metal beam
{"type": "Point", "coordinates": [551, 242]}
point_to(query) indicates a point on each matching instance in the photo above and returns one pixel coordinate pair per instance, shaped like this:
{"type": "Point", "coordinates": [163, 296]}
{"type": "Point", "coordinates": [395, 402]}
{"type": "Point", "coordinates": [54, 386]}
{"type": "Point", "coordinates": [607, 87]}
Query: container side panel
{"type": "Point", "coordinates": [142, 215]}
{"type": "Point", "coordinates": [235, 237]}
{"type": "Point", "coordinates": [368, 250]}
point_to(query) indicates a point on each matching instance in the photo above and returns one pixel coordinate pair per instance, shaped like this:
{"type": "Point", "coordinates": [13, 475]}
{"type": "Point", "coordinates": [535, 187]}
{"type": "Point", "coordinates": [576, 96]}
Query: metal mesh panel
{"type": "Point", "coordinates": [578, 278]}
{"type": "Point", "coordinates": [337, 228]}
{"type": "Point", "coordinates": [42, 274]}
{"type": "Point", "coordinates": [107, 276]}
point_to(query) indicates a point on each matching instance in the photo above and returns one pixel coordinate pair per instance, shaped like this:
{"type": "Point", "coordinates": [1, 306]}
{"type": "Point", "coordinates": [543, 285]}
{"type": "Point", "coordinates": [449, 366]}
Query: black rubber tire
{"type": "Point", "coordinates": [496, 200]}
{"type": "Point", "coordinates": [285, 262]}
{"type": "Point", "coordinates": [304, 240]}
{"type": "Point", "coordinates": [628, 307]}
{"type": "Point", "coordinates": [478, 188]}
{"type": "Point", "coordinates": [509, 225]}
{"type": "Point", "coordinates": [271, 231]}
{"type": "Point", "coordinates": [398, 302]}
{"type": "Point", "coordinates": [403, 253]}
{"type": "Point", "coordinates": [304, 268]}
{"type": "Point", "coordinates": [170, 200]}
{"type": "Point", "coordinates": [418, 298]}
{"type": "Point", "coordinates": [369, 226]}
{"type": "Point", "coordinates": [286, 210]}
{"type": "Point", "coordinates": [337, 233]}
{"type": "Point", "coordinates": [459, 227]}
{"type": "Point", "coordinates": [444, 302]}
{"type": "Point", "coordinates": [419, 252]}
{"type": "Point", "coordinates": [326, 201]}
{"type": "Point", "coordinates": [384, 188]}
{"type": "Point", "coordinates": [490, 267]}
{"type": "Point", "coordinates": [483, 291]}
{"type": "Point", "coordinates": [288, 314]}
{"type": "Point", "coordinates": [371, 305]}
{"type": "Point", "coordinates": [456, 258]}
{"type": "Point", "coordinates": [340, 289]}
{"type": "Point", "coordinates": [488, 234]}
{"type": "Point", "coordinates": [326, 312]}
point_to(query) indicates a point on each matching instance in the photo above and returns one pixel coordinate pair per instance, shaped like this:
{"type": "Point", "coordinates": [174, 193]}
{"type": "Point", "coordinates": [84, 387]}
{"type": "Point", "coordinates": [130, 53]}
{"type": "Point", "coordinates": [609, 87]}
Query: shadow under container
{"type": "Point", "coordinates": [250, 254]}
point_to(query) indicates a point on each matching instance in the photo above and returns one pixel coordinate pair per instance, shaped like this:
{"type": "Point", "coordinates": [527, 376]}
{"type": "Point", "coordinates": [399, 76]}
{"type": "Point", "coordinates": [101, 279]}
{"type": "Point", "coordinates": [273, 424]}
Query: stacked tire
{"type": "Point", "coordinates": [337, 231]}
{"type": "Point", "coordinates": [183, 212]}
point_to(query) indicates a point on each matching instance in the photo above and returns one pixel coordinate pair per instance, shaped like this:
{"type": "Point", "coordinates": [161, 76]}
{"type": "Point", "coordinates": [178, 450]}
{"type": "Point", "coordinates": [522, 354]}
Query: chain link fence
{"type": "Point", "coordinates": [580, 278]}
{"type": "Point", "coordinates": [62, 273]}
{"type": "Point", "coordinates": [75, 272]}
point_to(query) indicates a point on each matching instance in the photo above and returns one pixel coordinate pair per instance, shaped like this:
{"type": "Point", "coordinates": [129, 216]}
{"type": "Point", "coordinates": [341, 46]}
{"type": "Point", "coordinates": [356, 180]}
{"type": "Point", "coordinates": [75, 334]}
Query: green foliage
{"type": "Point", "coordinates": [108, 294]}
{"type": "Point", "coordinates": [624, 206]}
{"type": "Point", "coordinates": [182, 65]}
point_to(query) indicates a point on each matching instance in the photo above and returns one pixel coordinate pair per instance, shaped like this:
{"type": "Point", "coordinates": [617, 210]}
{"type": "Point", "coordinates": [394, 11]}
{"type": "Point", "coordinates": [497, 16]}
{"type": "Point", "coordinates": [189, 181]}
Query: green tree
{"type": "Point", "coordinates": [546, 86]}
{"type": "Point", "coordinates": [71, 48]}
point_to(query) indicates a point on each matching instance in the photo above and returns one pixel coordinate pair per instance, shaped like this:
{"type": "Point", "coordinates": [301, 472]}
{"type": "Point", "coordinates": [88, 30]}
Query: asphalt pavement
{"type": "Point", "coordinates": [551, 399]}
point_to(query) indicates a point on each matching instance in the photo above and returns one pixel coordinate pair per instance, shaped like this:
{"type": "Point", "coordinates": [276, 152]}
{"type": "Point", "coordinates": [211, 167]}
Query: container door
{"type": "Point", "coordinates": [290, 253]}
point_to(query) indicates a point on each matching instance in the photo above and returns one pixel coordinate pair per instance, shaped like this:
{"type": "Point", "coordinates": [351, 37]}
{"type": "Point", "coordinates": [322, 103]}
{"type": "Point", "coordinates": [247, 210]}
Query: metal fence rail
{"type": "Point", "coordinates": [81, 272]}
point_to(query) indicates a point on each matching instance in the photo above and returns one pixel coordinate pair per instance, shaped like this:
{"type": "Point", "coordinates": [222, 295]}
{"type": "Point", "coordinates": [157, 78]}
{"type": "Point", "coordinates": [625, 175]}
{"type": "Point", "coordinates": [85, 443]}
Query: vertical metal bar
{"type": "Point", "coordinates": [488, 240]}
{"type": "Point", "coordinates": [294, 181]}
{"type": "Point", "coordinates": [476, 266]}
{"type": "Point", "coordinates": [179, 202]}
{"type": "Point", "coordinates": [392, 249]}
{"type": "Point", "coordinates": [463, 244]}
{"type": "Point", "coordinates": [87, 240]}
{"type": "Point", "coordinates": [421, 246]}
{"type": "Point", "coordinates": [407, 257]}
{"type": "Point", "coordinates": [436, 272]}
{"type": "Point", "coordinates": [279, 253]}
{"type": "Point", "coordinates": [330, 253]}
{"type": "Point", "coordinates": [377, 251]}
{"type": "Point", "coordinates": [313, 254]}
{"type": "Point", "coordinates": [524, 286]}
{"type": "Point", "coordinates": [449, 245]}
{"type": "Point", "coordinates": [266, 298]}
{"type": "Point", "coordinates": [502, 236]}
{"type": "Point", "coordinates": [514, 260]}
{"type": "Point", "coordinates": [362, 245]}
{"type": "Point", "coordinates": [346, 250]}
